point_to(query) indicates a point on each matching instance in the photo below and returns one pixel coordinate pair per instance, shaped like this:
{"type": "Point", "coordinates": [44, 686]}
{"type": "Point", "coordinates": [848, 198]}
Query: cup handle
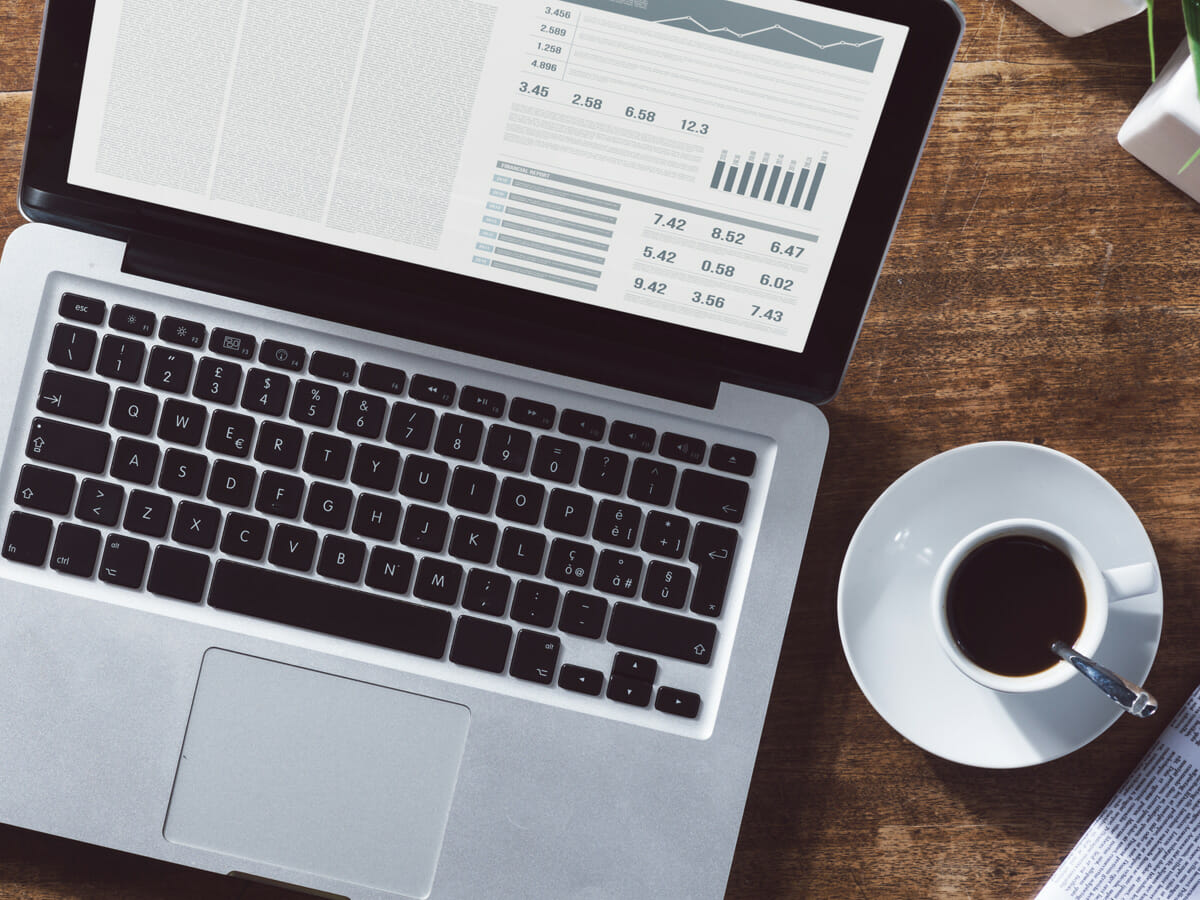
{"type": "Point", "coordinates": [1131, 581]}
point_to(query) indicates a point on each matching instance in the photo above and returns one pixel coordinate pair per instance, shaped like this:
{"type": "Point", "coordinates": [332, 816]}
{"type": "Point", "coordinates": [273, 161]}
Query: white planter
{"type": "Point", "coordinates": [1076, 17]}
{"type": "Point", "coordinates": [1163, 131]}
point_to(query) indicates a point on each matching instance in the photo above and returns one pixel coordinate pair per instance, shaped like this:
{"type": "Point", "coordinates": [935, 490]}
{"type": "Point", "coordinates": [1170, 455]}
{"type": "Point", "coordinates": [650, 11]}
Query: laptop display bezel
{"type": "Point", "coordinates": [386, 294]}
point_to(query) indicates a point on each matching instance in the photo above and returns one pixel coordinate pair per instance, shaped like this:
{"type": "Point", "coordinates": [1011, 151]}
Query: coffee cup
{"type": "Point", "coordinates": [1008, 590]}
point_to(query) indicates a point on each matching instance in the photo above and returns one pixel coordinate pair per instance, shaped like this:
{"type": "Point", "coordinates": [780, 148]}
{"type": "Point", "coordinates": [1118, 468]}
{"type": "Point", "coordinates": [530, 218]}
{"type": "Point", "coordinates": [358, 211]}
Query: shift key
{"type": "Point", "coordinates": [55, 443]}
{"type": "Point", "coordinates": [662, 633]}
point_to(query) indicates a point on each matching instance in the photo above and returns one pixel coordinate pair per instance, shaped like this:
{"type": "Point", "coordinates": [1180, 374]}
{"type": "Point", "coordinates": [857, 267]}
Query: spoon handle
{"type": "Point", "coordinates": [1126, 694]}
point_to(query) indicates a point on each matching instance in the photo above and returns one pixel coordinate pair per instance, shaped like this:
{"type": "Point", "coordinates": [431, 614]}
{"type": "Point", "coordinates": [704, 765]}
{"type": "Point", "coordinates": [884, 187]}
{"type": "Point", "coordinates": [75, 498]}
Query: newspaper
{"type": "Point", "coordinates": [1145, 845]}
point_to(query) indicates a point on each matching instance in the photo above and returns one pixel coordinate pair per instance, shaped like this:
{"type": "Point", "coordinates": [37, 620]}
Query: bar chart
{"type": "Point", "coordinates": [763, 176]}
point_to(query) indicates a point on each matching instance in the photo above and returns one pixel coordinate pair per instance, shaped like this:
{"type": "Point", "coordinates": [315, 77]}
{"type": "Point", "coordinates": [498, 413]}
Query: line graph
{"type": "Point", "coordinates": [749, 34]}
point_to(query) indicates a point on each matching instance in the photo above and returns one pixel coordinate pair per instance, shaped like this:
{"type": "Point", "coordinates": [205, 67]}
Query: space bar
{"type": "Point", "coordinates": [341, 612]}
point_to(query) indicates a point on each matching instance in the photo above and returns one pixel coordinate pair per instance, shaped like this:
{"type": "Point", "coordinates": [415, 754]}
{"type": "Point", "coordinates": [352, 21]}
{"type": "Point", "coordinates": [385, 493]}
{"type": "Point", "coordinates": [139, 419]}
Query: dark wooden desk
{"type": "Point", "coordinates": [1043, 286]}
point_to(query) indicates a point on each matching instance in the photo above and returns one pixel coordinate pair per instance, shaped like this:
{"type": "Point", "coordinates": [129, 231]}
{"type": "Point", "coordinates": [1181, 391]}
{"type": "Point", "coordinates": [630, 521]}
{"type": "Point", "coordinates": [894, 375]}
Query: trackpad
{"type": "Point", "coordinates": [316, 773]}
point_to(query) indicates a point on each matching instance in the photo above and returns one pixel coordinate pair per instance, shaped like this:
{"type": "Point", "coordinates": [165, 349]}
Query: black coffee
{"type": "Point", "coordinates": [1010, 599]}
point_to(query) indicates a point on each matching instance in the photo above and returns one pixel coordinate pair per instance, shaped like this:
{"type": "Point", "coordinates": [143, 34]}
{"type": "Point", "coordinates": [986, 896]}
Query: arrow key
{"type": "Point", "coordinates": [535, 656]}
{"type": "Point", "coordinates": [629, 690]}
{"type": "Point", "coordinates": [630, 665]}
{"type": "Point", "coordinates": [677, 702]}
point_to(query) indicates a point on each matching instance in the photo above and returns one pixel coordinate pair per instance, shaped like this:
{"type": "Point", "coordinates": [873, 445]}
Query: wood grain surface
{"type": "Point", "coordinates": [1043, 286]}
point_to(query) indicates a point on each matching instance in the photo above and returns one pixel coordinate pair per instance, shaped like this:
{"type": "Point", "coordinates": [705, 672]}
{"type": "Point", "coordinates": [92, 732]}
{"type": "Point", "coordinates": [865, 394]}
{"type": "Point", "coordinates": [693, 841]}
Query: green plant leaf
{"type": "Point", "coordinates": [1191, 18]}
{"type": "Point", "coordinates": [1150, 38]}
{"type": "Point", "coordinates": [1195, 156]}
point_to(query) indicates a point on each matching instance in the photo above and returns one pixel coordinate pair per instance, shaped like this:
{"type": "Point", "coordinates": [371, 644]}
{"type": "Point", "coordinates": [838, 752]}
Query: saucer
{"type": "Point", "coordinates": [884, 603]}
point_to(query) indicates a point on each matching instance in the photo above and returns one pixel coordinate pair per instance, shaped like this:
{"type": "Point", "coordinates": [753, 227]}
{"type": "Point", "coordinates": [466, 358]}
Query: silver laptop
{"type": "Point", "coordinates": [412, 423]}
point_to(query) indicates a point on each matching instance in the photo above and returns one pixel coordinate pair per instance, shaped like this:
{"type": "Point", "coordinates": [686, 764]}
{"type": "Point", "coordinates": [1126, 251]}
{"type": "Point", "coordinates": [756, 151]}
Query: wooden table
{"type": "Point", "coordinates": [1043, 286]}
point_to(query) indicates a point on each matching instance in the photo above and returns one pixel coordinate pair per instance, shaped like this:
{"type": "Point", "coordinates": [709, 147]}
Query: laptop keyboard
{"type": "Point", "coordinates": [452, 521]}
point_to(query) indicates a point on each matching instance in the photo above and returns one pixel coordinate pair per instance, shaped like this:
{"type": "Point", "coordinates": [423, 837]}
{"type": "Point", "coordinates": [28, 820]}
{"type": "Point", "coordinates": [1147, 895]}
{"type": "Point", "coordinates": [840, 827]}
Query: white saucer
{"type": "Point", "coordinates": [884, 603]}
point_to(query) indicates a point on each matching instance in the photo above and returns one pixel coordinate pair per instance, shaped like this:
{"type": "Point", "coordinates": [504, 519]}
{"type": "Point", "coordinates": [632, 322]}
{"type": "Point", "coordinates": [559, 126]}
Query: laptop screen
{"type": "Point", "coordinates": [692, 162]}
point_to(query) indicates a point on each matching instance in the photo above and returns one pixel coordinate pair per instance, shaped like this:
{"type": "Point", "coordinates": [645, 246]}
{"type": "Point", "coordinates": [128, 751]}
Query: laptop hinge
{"type": "Point", "coordinates": [372, 305]}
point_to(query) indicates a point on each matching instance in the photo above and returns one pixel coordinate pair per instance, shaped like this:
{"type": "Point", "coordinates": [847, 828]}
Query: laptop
{"type": "Point", "coordinates": [412, 423]}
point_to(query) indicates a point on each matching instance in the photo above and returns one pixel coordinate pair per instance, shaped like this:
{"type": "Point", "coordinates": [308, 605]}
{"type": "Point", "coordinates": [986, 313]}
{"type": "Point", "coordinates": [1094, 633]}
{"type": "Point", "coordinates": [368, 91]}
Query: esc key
{"type": "Point", "coordinates": [81, 309]}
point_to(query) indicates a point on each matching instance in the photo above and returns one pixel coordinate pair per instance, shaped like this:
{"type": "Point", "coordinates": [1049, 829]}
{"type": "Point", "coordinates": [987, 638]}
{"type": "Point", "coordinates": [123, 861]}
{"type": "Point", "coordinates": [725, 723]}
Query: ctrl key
{"type": "Point", "coordinates": [27, 538]}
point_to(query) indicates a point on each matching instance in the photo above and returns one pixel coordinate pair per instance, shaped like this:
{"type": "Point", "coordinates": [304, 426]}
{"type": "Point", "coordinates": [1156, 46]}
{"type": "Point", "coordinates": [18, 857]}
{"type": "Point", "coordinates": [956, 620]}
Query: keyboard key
{"type": "Point", "coordinates": [362, 414]}
{"type": "Point", "coordinates": [45, 489]}
{"type": "Point", "coordinates": [425, 528]}
{"type": "Point", "coordinates": [375, 467]}
{"type": "Point", "coordinates": [376, 517]}
{"type": "Point", "coordinates": [677, 702]}
{"type": "Point", "coordinates": [99, 502]}
{"type": "Point", "coordinates": [666, 585]}
{"type": "Point", "coordinates": [531, 412]}
{"type": "Point", "coordinates": [120, 358]}
{"type": "Point", "coordinates": [535, 657]}
{"type": "Point", "coordinates": [424, 479]}
{"type": "Point", "coordinates": [582, 425]}
{"type": "Point", "coordinates": [293, 548]}
{"type": "Point", "coordinates": [521, 501]}
{"type": "Point", "coordinates": [681, 447]}
{"type": "Point", "coordinates": [632, 437]}
{"type": "Point", "coordinates": [231, 433]}
{"type": "Point", "coordinates": [133, 411]}
{"type": "Point", "coordinates": [410, 426]}
{"type": "Point", "coordinates": [331, 366]}
{"type": "Point", "coordinates": [555, 460]}
{"type": "Point", "coordinates": [432, 390]}
{"type": "Point", "coordinates": [245, 536]}
{"type": "Point", "coordinates": [617, 523]}
{"type": "Point", "coordinates": [521, 551]}
{"type": "Point", "coordinates": [148, 513]}
{"type": "Point", "coordinates": [231, 483]}
{"type": "Point", "coordinates": [535, 604]}
{"type": "Point", "coordinates": [473, 539]}
{"type": "Point", "coordinates": [583, 614]}
{"type": "Point", "coordinates": [732, 459]}
{"type": "Point", "coordinates": [472, 490]}
{"type": "Point", "coordinates": [481, 644]}
{"type": "Point", "coordinates": [569, 512]}
{"type": "Point", "coordinates": [603, 470]}
{"type": "Point", "coordinates": [217, 381]}
{"type": "Point", "coordinates": [652, 481]}
{"type": "Point", "coordinates": [132, 320]}
{"type": "Point", "coordinates": [328, 506]}
{"type": "Point", "coordinates": [313, 403]}
{"type": "Point", "coordinates": [581, 680]}
{"type": "Point", "coordinates": [486, 592]}
{"type": "Point", "coordinates": [630, 665]}
{"type": "Point", "coordinates": [712, 549]}
{"type": "Point", "coordinates": [27, 539]}
{"type": "Point", "coordinates": [266, 392]}
{"type": "Point", "coordinates": [458, 437]}
{"type": "Point", "coordinates": [666, 535]}
{"type": "Point", "coordinates": [81, 309]}
{"type": "Point", "coordinates": [196, 525]}
{"type": "Point", "coordinates": [662, 633]}
{"type": "Point", "coordinates": [73, 397]}
{"type": "Point", "coordinates": [570, 562]}
{"type": "Point", "coordinates": [390, 570]}
{"type": "Point", "coordinates": [69, 446]}
{"type": "Point", "coordinates": [182, 332]}
{"type": "Point", "coordinates": [279, 495]}
{"type": "Point", "coordinates": [178, 574]}
{"type": "Point", "coordinates": [124, 561]}
{"type": "Point", "coordinates": [507, 448]}
{"type": "Point", "coordinates": [282, 356]}
{"type": "Point", "coordinates": [75, 550]}
{"type": "Point", "coordinates": [629, 690]}
{"type": "Point", "coordinates": [618, 573]}
{"type": "Point", "coordinates": [232, 343]}
{"type": "Point", "coordinates": [279, 445]}
{"type": "Point", "coordinates": [169, 370]}
{"type": "Point", "coordinates": [72, 347]}
{"type": "Point", "coordinates": [341, 559]}
{"type": "Point", "coordinates": [183, 472]}
{"type": "Point", "coordinates": [342, 612]}
{"type": "Point", "coordinates": [327, 456]}
{"type": "Point", "coordinates": [713, 496]}
{"type": "Point", "coordinates": [182, 422]}
{"type": "Point", "coordinates": [483, 402]}
{"type": "Point", "coordinates": [438, 581]}
{"type": "Point", "coordinates": [382, 378]}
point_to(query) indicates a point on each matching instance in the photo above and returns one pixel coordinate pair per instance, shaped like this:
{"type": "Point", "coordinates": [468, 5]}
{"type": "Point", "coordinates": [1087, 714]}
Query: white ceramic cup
{"type": "Point", "coordinates": [1100, 589]}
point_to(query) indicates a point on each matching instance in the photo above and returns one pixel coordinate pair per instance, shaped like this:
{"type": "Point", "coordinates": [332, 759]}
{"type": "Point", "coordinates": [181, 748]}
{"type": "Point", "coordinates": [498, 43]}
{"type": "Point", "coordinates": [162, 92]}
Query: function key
{"type": "Point", "coordinates": [382, 378]}
{"type": "Point", "coordinates": [483, 402]}
{"type": "Point", "coordinates": [531, 412]}
{"type": "Point", "coordinates": [232, 343]}
{"type": "Point", "coordinates": [282, 356]}
{"type": "Point", "coordinates": [681, 447]}
{"type": "Point", "coordinates": [335, 368]}
{"type": "Point", "coordinates": [81, 309]}
{"type": "Point", "coordinates": [432, 390]}
{"type": "Point", "coordinates": [182, 332]}
{"type": "Point", "coordinates": [132, 321]}
{"type": "Point", "coordinates": [632, 437]}
{"type": "Point", "coordinates": [582, 425]}
{"type": "Point", "coordinates": [732, 459]}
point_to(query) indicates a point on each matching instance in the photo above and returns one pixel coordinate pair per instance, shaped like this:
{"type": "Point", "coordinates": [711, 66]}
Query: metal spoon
{"type": "Point", "coordinates": [1125, 694]}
